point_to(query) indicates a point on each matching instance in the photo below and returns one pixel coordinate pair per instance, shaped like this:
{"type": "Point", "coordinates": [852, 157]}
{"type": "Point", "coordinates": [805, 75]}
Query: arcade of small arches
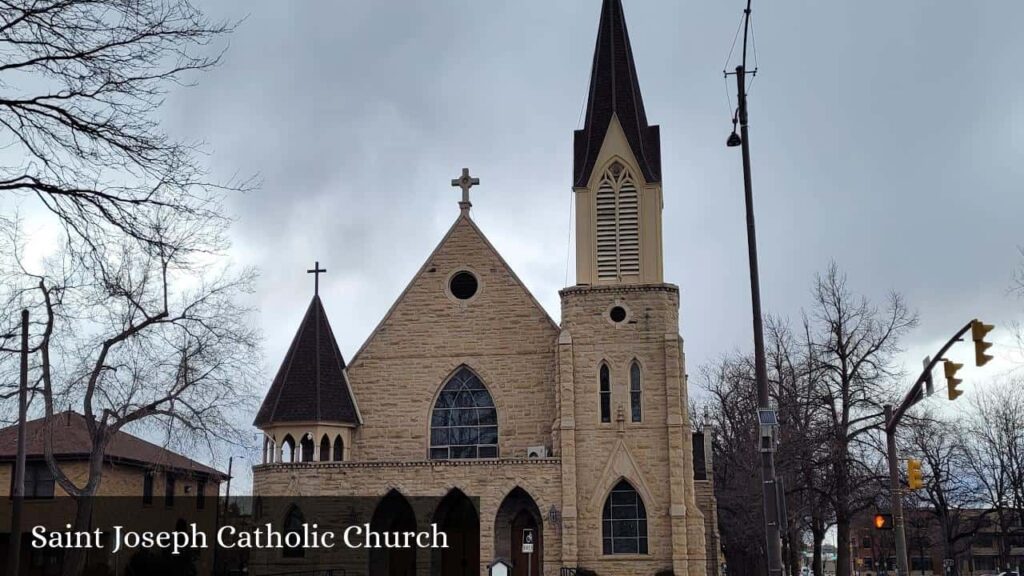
{"type": "Point", "coordinates": [330, 448]}
{"type": "Point", "coordinates": [623, 519]}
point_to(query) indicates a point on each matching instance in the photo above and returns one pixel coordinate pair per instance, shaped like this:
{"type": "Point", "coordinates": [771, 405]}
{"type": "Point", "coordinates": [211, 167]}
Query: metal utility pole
{"type": "Point", "coordinates": [896, 495]}
{"type": "Point", "coordinates": [767, 421]}
{"type": "Point", "coordinates": [18, 491]}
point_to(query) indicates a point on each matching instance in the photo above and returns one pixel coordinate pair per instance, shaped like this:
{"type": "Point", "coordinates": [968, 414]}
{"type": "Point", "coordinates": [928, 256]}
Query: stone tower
{"type": "Point", "coordinates": [624, 431]}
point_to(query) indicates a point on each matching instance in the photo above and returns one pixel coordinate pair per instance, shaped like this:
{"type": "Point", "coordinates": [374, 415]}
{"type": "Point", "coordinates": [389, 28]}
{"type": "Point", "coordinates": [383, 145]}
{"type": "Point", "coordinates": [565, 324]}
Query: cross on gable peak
{"type": "Point", "coordinates": [465, 181]}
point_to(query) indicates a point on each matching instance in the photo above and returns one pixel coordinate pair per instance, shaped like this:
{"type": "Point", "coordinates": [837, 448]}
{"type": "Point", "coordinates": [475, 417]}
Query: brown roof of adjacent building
{"type": "Point", "coordinates": [71, 441]}
{"type": "Point", "coordinates": [615, 91]}
{"type": "Point", "coordinates": [311, 385]}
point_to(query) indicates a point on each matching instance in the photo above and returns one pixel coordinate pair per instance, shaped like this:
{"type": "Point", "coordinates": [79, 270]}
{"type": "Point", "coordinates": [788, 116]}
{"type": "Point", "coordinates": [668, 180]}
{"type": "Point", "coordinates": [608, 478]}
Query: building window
{"type": "Point", "coordinates": [288, 449]}
{"type": "Point", "coordinates": [606, 394]}
{"type": "Point", "coordinates": [866, 542]}
{"type": "Point", "coordinates": [201, 494]}
{"type": "Point", "coordinates": [463, 285]}
{"type": "Point", "coordinates": [618, 224]}
{"type": "Point", "coordinates": [624, 521]}
{"type": "Point", "coordinates": [307, 448]}
{"type": "Point", "coordinates": [339, 449]}
{"type": "Point", "coordinates": [39, 482]}
{"type": "Point", "coordinates": [293, 523]}
{"type": "Point", "coordinates": [325, 448]}
{"type": "Point", "coordinates": [169, 490]}
{"type": "Point", "coordinates": [147, 488]}
{"type": "Point", "coordinates": [635, 392]}
{"type": "Point", "coordinates": [464, 422]}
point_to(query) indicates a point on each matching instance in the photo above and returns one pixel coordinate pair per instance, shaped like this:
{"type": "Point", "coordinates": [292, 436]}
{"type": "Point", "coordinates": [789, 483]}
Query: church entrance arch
{"type": "Point", "coordinates": [519, 512]}
{"type": "Point", "coordinates": [457, 516]}
{"type": "Point", "coordinates": [393, 514]}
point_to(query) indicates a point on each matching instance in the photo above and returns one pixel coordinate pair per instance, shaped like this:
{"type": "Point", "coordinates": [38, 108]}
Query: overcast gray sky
{"type": "Point", "coordinates": [886, 135]}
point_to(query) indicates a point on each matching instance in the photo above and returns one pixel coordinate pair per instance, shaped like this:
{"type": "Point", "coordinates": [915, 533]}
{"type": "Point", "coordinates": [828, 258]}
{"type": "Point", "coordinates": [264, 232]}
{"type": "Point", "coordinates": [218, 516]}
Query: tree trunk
{"type": "Point", "coordinates": [842, 545]}
{"type": "Point", "coordinates": [818, 533]}
{"type": "Point", "coordinates": [74, 557]}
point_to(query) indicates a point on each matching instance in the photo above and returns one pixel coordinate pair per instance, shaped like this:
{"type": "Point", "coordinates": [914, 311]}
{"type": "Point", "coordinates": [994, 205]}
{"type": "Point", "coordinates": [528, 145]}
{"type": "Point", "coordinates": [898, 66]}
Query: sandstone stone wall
{"type": "Point", "coordinates": [502, 334]}
{"type": "Point", "coordinates": [654, 455]}
{"type": "Point", "coordinates": [490, 481]}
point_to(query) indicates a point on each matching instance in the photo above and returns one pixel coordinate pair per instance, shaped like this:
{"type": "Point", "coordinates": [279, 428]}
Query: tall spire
{"type": "Point", "coordinates": [615, 91]}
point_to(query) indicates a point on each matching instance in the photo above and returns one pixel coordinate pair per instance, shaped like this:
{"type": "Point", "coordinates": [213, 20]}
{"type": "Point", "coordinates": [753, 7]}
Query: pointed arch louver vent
{"type": "Point", "coordinates": [618, 224]}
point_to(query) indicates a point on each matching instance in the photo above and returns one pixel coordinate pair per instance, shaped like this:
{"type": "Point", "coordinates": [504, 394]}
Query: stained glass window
{"type": "Point", "coordinates": [464, 423]}
{"type": "Point", "coordinates": [624, 521]}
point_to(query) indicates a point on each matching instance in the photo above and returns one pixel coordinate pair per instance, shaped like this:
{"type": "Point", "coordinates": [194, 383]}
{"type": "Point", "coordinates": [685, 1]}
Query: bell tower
{"type": "Point", "coordinates": [617, 172]}
{"type": "Point", "coordinates": [623, 428]}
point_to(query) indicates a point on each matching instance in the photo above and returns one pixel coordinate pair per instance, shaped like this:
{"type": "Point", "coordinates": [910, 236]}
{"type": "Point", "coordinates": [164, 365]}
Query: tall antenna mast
{"type": "Point", "coordinates": [767, 419]}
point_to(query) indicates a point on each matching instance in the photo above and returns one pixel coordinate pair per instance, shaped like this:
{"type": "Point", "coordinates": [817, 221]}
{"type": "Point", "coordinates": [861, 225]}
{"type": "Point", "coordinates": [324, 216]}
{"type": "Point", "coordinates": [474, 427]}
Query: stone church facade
{"type": "Point", "coordinates": [467, 391]}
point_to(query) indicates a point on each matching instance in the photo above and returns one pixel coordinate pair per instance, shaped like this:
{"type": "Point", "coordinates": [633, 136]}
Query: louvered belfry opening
{"type": "Point", "coordinates": [618, 224]}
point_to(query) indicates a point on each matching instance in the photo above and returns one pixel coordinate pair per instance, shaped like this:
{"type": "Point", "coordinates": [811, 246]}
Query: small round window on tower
{"type": "Point", "coordinates": [463, 285]}
{"type": "Point", "coordinates": [617, 314]}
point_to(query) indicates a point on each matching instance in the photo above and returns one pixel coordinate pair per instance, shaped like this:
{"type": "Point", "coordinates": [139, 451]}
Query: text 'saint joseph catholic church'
{"type": "Point", "coordinates": [468, 392]}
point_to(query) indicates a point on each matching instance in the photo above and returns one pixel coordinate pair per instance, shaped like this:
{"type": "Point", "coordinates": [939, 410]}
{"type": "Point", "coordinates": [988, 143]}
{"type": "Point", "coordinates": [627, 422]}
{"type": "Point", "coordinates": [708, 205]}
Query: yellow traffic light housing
{"type": "Point", "coordinates": [952, 381]}
{"type": "Point", "coordinates": [915, 480]}
{"type": "Point", "coordinates": [978, 332]}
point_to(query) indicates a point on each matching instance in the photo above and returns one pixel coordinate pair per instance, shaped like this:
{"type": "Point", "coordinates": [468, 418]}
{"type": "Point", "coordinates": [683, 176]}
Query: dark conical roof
{"type": "Point", "coordinates": [311, 385]}
{"type": "Point", "coordinates": [615, 90]}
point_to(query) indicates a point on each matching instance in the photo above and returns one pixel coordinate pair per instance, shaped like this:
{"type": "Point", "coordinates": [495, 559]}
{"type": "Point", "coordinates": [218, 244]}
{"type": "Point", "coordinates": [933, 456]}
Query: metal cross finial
{"type": "Point", "coordinates": [316, 271]}
{"type": "Point", "coordinates": [465, 182]}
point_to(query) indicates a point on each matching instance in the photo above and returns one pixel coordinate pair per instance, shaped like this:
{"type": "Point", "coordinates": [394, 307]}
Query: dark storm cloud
{"type": "Point", "coordinates": [886, 135]}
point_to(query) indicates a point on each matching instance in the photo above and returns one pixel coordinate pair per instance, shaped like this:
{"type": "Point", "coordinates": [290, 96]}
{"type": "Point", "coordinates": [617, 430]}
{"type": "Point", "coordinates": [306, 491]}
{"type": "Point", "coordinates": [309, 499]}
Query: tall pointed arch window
{"type": "Point", "coordinates": [618, 224]}
{"type": "Point", "coordinates": [606, 393]}
{"type": "Point", "coordinates": [624, 521]}
{"type": "Point", "coordinates": [635, 392]}
{"type": "Point", "coordinates": [464, 422]}
{"type": "Point", "coordinates": [293, 524]}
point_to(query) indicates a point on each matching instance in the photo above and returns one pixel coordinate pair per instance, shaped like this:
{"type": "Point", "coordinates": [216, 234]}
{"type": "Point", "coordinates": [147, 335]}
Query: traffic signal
{"type": "Point", "coordinates": [978, 332]}
{"type": "Point", "coordinates": [952, 381]}
{"type": "Point", "coordinates": [883, 521]}
{"type": "Point", "coordinates": [915, 480]}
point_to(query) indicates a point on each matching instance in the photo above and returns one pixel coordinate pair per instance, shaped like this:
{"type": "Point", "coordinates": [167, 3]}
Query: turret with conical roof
{"type": "Point", "coordinates": [309, 412]}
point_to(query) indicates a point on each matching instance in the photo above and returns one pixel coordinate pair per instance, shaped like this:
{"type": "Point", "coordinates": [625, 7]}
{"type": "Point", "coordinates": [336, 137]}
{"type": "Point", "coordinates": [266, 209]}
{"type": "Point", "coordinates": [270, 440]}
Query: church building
{"type": "Point", "coordinates": [575, 435]}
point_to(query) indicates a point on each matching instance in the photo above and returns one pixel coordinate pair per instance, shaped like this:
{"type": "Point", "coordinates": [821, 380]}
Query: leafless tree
{"type": "Point", "coordinates": [994, 429]}
{"type": "Point", "coordinates": [80, 84]}
{"type": "Point", "coordinates": [950, 495]}
{"type": "Point", "coordinates": [853, 344]}
{"type": "Point", "coordinates": [731, 414]}
{"type": "Point", "coordinates": [133, 342]}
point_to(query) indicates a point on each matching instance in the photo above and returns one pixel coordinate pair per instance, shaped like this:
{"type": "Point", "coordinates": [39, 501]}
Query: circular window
{"type": "Point", "coordinates": [617, 314]}
{"type": "Point", "coordinates": [463, 285]}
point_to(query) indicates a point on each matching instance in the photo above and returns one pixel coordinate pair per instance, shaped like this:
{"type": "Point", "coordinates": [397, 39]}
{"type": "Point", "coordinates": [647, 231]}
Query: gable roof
{"type": "Point", "coordinates": [463, 218]}
{"type": "Point", "coordinates": [615, 91]}
{"type": "Point", "coordinates": [311, 385]}
{"type": "Point", "coordinates": [71, 441]}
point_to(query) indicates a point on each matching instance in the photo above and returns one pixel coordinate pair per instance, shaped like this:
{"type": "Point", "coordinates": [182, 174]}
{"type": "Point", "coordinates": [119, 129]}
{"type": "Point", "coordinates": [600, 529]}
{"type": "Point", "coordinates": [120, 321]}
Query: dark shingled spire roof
{"type": "Point", "coordinates": [311, 385]}
{"type": "Point", "coordinates": [614, 90]}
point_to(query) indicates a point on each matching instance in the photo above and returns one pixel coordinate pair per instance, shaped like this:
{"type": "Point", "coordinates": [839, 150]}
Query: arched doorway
{"type": "Point", "coordinates": [393, 514]}
{"type": "Point", "coordinates": [517, 514]}
{"type": "Point", "coordinates": [457, 516]}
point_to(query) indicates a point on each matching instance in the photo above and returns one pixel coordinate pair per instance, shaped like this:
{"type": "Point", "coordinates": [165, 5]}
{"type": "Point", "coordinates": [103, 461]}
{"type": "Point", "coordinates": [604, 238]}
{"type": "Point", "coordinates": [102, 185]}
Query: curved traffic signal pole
{"type": "Point", "coordinates": [893, 417]}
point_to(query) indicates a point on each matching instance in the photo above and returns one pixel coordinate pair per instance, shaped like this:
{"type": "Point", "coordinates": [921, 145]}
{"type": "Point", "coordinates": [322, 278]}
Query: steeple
{"type": "Point", "coordinates": [615, 92]}
{"type": "Point", "coordinates": [617, 172]}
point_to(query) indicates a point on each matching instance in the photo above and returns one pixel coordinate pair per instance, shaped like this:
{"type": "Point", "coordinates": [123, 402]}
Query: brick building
{"type": "Point", "coordinates": [140, 480]}
{"type": "Point", "coordinates": [976, 553]}
{"type": "Point", "coordinates": [469, 392]}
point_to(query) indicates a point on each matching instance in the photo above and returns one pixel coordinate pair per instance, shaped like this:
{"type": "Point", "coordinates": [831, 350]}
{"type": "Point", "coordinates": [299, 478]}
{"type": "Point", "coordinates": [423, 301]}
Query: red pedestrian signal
{"type": "Point", "coordinates": [883, 521]}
